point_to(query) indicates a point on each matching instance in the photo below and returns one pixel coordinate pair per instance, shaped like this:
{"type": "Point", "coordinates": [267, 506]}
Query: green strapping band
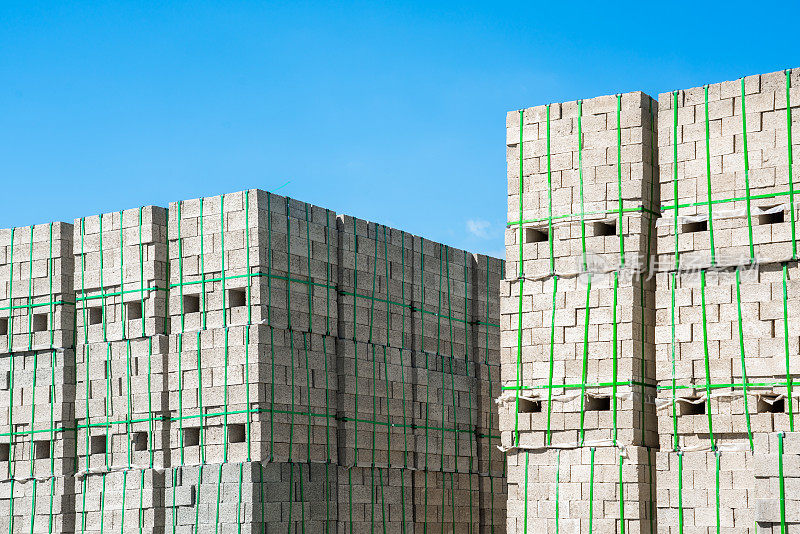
{"type": "Point", "coordinates": [520, 261]}
{"type": "Point", "coordinates": [585, 355]}
{"type": "Point", "coordinates": [525, 494]}
{"type": "Point", "coordinates": [706, 357]}
{"type": "Point", "coordinates": [558, 486]}
{"type": "Point", "coordinates": [746, 175]}
{"type": "Point", "coordinates": [680, 492]}
{"type": "Point", "coordinates": [741, 355]}
{"type": "Point", "coordinates": [786, 349]}
{"type": "Point", "coordinates": [614, 363]}
{"type": "Point", "coordinates": [716, 485]}
{"type": "Point", "coordinates": [675, 178]}
{"type": "Point", "coordinates": [552, 361]}
{"type": "Point", "coordinates": [621, 499]}
{"type": "Point", "coordinates": [672, 324]}
{"type": "Point", "coordinates": [708, 180]}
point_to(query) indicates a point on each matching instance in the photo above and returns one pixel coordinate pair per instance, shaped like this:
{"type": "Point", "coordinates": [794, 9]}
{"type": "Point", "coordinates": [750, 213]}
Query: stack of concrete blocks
{"type": "Point", "coordinates": [727, 305]}
{"type": "Point", "coordinates": [587, 231]}
{"type": "Point", "coordinates": [37, 448]}
{"type": "Point", "coordinates": [120, 283]}
{"type": "Point", "coordinates": [249, 361]}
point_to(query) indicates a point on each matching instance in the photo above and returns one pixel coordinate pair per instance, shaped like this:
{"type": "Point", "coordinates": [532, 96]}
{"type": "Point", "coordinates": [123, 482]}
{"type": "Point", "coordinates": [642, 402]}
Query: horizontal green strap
{"type": "Point", "coordinates": [733, 386]}
{"type": "Point", "coordinates": [724, 200]}
{"type": "Point", "coordinates": [578, 386]}
{"type": "Point", "coordinates": [600, 212]}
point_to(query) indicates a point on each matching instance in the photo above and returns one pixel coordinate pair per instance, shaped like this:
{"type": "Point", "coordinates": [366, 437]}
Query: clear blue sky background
{"type": "Point", "coordinates": [387, 112]}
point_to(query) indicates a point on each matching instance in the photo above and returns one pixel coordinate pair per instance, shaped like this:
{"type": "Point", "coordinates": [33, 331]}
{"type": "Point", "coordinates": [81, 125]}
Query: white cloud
{"type": "Point", "coordinates": [479, 228]}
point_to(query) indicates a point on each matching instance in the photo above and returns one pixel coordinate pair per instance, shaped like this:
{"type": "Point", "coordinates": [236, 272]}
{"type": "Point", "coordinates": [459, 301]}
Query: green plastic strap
{"type": "Point", "coordinates": [124, 491]}
{"type": "Point", "coordinates": [651, 484]}
{"type": "Point", "coordinates": [673, 282]}
{"type": "Point", "coordinates": [708, 179]}
{"type": "Point", "coordinates": [584, 372]}
{"type": "Point", "coordinates": [789, 146]}
{"type": "Point", "coordinates": [591, 488]}
{"type": "Point", "coordinates": [706, 357]}
{"type": "Point", "coordinates": [219, 495]}
{"type": "Point", "coordinates": [141, 501]}
{"type": "Point", "coordinates": [199, 496]}
{"type": "Point", "coordinates": [746, 175]}
{"type": "Point", "coordinates": [786, 349]}
{"type": "Point", "coordinates": [781, 483]}
{"type": "Point", "coordinates": [520, 261]}
{"type": "Point", "coordinates": [619, 182]}
{"type": "Point", "coordinates": [549, 192]}
{"type": "Point", "coordinates": [741, 355]}
{"type": "Point", "coordinates": [552, 361]}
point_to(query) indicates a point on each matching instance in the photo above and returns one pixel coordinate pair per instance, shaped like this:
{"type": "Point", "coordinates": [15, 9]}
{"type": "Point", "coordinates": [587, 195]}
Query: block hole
{"type": "Point", "coordinates": [602, 228]}
{"type": "Point", "coordinates": [134, 310]}
{"type": "Point", "coordinates": [41, 449]}
{"type": "Point", "coordinates": [5, 452]}
{"type": "Point", "coordinates": [191, 303]}
{"type": "Point", "coordinates": [39, 323]}
{"type": "Point", "coordinates": [98, 444]}
{"type": "Point", "coordinates": [596, 403]}
{"type": "Point", "coordinates": [95, 315]}
{"type": "Point", "coordinates": [694, 227]}
{"type": "Point", "coordinates": [237, 297]}
{"type": "Point", "coordinates": [236, 433]}
{"type": "Point", "coordinates": [191, 436]}
{"type": "Point", "coordinates": [3, 326]}
{"type": "Point", "coordinates": [529, 406]}
{"type": "Point", "coordinates": [695, 407]}
{"type": "Point", "coordinates": [139, 441]}
{"type": "Point", "coordinates": [771, 218]}
{"type": "Point", "coordinates": [771, 403]}
{"type": "Point", "coordinates": [534, 235]}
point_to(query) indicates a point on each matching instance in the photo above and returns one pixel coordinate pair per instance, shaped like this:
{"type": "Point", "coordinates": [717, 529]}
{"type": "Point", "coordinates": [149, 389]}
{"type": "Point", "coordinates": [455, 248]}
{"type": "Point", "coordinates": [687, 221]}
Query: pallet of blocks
{"type": "Point", "coordinates": [577, 416]}
{"type": "Point", "coordinates": [727, 304]}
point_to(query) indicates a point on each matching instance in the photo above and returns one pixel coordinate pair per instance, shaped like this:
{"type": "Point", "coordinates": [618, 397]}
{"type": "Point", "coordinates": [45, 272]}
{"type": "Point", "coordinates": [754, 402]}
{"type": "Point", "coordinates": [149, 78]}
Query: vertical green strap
{"type": "Point", "coordinates": [717, 454]}
{"type": "Point", "coordinates": [225, 439]}
{"type": "Point", "coordinates": [585, 355]}
{"type": "Point", "coordinates": [202, 264]}
{"type": "Point", "coordinates": [621, 497]}
{"type": "Point", "coordinates": [12, 435]}
{"type": "Point", "coordinates": [519, 360]}
{"type": "Point", "coordinates": [525, 495]}
{"type": "Point", "coordinates": [306, 342]}
{"type": "Point", "coordinates": [107, 404]}
{"type": "Point", "coordinates": [167, 285]}
{"type": "Point", "coordinates": [680, 492]}
{"type": "Point", "coordinates": [549, 192]}
{"type": "Point", "coordinates": [249, 413]}
{"type": "Point", "coordinates": [708, 180]}
{"type": "Point", "coordinates": [614, 355]}
{"type": "Point", "coordinates": [741, 356]}
{"type": "Point", "coordinates": [580, 181]}
{"type": "Point", "coordinates": [180, 397]}
{"type": "Point", "coordinates": [706, 356]}
{"type": "Point", "coordinates": [619, 183]}
{"type": "Point", "coordinates": [591, 488]}
{"type": "Point", "coordinates": [272, 395]}
{"type": "Point", "coordinates": [675, 176]}
{"type": "Point", "coordinates": [374, 280]}
{"type": "Point", "coordinates": [472, 429]}
{"type": "Point", "coordinates": [789, 398]}
{"type": "Point", "coordinates": [355, 398]}
{"type": "Point", "coordinates": [791, 175]}
{"type": "Point", "coordinates": [746, 175]}
{"type": "Point", "coordinates": [552, 360]}
{"type": "Point", "coordinates": [141, 501]}
{"type": "Point", "coordinates": [291, 388]}
{"type": "Point", "coordinates": [427, 371]}
{"type": "Point", "coordinates": [328, 276]}
{"type": "Point", "coordinates": [33, 408]}
{"type": "Point", "coordinates": [33, 506]}
{"type": "Point", "coordinates": [673, 281]}
{"type": "Point", "coordinates": [781, 484]}
{"type": "Point", "coordinates": [269, 260]}
{"type": "Point", "coordinates": [103, 503]}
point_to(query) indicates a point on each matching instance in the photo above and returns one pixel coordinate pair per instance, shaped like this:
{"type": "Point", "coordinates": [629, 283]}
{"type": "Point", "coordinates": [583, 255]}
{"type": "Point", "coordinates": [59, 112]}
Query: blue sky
{"type": "Point", "coordinates": [389, 112]}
